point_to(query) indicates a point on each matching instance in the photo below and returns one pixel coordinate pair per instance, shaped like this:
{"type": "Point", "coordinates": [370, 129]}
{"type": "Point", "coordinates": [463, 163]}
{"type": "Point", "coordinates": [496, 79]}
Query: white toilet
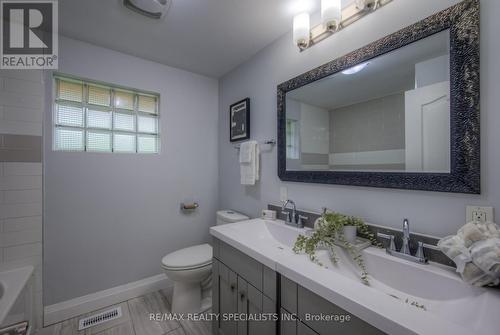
{"type": "Point", "coordinates": [190, 269]}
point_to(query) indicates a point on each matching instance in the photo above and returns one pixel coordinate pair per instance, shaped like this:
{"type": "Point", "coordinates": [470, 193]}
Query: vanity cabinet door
{"type": "Point", "coordinates": [302, 329]}
{"type": "Point", "coordinates": [227, 300]}
{"type": "Point", "coordinates": [258, 309]}
{"type": "Point", "coordinates": [288, 292]}
{"type": "Point", "coordinates": [292, 326]}
{"type": "Point", "coordinates": [309, 303]}
{"type": "Point", "coordinates": [242, 305]}
{"type": "Point", "coordinates": [288, 324]}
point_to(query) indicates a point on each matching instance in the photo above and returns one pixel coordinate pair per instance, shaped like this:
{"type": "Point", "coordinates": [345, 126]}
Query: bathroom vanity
{"type": "Point", "coordinates": [256, 272]}
{"type": "Point", "coordinates": [255, 293]}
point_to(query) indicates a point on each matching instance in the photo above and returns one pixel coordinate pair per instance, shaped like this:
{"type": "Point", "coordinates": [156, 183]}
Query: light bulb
{"type": "Point", "coordinates": [365, 4]}
{"type": "Point", "coordinates": [331, 13]}
{"type": "Point", "coordinates": [360, 4]}
{"type": "Point", "coordinates": [301, 29]}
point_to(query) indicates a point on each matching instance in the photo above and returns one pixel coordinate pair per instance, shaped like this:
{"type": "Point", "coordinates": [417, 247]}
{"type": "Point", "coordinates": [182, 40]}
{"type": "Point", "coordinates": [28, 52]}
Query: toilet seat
{"type": "Point", "coordinates": [188, 258]}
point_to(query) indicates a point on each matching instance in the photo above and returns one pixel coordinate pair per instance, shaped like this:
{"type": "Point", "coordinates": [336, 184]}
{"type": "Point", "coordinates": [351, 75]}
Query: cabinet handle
{"type": "Point", "coordinates": [232, 287]}
{"type": "Point", "coordinates": [242, 296]}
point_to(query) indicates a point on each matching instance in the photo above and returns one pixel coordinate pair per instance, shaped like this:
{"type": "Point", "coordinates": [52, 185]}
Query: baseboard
{"type": "Point", "coordinates": [71, 308]}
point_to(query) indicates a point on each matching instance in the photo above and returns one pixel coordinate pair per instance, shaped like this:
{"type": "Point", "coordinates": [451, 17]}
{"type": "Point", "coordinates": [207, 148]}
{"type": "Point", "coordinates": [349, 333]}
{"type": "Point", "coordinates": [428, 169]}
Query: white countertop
{"type": "Point", "coordinates": [374, 306]}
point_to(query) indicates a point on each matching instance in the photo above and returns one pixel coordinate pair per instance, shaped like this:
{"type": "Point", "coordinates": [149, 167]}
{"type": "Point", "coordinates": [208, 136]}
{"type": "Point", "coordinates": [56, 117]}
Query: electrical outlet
{"type": "Point", "coordinates": [480, 214]}
{"type": "Point", "coordinates": [283, 193]}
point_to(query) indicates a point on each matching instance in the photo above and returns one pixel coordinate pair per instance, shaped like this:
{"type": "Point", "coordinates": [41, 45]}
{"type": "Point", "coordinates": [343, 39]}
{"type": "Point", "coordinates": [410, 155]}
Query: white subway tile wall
{"type": "Point", "coordinates": [21, 194]}
{"type": "Point", "coordinates": [21, 221]}
{"type": "Point", "coordinates": [21, 102]}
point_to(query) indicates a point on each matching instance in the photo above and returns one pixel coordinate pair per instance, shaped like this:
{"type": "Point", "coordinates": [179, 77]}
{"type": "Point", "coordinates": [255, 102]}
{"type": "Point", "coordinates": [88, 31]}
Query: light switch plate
{"type": "Point", "coordinates": [481, 214]}
{"type": "Point", "coordinates": [283, 193]}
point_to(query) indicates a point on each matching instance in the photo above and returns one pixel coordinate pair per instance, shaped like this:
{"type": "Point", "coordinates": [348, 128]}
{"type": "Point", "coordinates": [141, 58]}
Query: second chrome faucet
{"type": "Point", "coordinates": [405, 252]}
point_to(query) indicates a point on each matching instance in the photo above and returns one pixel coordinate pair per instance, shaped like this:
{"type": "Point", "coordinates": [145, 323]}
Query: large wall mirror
{"type": "Point", "coordinates": [402, 112]}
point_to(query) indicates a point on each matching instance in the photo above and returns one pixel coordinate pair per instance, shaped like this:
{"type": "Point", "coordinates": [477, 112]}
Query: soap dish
{"type": "Point", "coordinates": [359, 243]}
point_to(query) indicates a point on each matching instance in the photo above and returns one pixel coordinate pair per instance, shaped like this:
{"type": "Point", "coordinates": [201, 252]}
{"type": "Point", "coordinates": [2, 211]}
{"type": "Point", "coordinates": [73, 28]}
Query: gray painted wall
{"type": "Point", "coordinates": [432, 71]}
{"type": "Point", "coordinates": [429, 212]}
{"type": "Point", "coordinates": [110, 218]}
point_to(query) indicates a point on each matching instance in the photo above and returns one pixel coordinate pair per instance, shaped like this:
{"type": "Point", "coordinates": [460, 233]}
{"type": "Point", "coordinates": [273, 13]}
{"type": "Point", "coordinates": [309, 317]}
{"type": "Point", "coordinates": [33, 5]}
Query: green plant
{"type": "Point", "coordinates": [328, 232]}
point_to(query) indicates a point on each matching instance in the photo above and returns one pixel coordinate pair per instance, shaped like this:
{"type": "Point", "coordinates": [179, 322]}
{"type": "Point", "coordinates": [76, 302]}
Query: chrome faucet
{"type": "Point", "coordinates": [406, 238]}
{"type": "Point", "coordinates": [405, 252]}
{"type": "Point", "coordinates": [292, 218]}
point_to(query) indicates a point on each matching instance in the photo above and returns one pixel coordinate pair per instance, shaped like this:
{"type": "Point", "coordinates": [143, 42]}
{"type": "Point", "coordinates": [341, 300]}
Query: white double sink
{"type": "Point", "coordinates": [402, 297]}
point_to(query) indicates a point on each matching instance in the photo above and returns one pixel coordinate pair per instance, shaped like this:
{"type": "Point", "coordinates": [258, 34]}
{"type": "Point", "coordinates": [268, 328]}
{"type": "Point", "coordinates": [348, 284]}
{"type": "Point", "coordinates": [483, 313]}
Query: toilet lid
{"type": "Point", "coordinates": [191, 257]}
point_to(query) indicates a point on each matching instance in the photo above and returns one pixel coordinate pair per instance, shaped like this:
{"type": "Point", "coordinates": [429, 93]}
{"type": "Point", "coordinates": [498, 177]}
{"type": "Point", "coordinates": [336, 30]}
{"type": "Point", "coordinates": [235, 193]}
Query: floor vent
{"type": "Point", "coordinates": [97, 319]}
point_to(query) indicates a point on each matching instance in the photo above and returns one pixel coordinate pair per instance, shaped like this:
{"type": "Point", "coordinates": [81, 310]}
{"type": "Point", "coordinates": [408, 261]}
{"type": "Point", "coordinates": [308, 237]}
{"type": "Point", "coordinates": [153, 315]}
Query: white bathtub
{"type": "Point", "coordinates": [16, 295]}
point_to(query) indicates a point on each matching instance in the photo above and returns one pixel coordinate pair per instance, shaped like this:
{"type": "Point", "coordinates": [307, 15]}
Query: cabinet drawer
{"type": "Point", "coordinates": [313, 304]}
{"type": "Point", "coordinates": [245, 266]}
{"type": "Point", "coordinates": [255, 273]}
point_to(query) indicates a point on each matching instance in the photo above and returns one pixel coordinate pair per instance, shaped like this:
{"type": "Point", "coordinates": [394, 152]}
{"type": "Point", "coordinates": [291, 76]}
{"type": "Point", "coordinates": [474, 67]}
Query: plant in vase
{"type": "Point", "coordinates": [330, 230]}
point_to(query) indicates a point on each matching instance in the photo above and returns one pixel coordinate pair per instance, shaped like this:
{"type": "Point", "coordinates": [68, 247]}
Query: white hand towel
{"type": "Point", "coordinates": [246, 151]}
{"type": "Point", "coordinates": [257, 162]}
{"type": "Point", "coordinates": [249, 171]}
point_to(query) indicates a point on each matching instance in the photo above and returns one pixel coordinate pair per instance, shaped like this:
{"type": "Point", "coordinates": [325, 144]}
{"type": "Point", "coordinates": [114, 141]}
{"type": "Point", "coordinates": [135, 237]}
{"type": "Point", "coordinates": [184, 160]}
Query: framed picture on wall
{"type": "Point", "coordinates": [239, 120]}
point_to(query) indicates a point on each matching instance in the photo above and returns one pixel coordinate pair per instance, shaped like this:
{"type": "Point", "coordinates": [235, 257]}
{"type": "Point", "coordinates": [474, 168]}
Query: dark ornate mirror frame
{"type": "Point", "coordinates": [463, 21]}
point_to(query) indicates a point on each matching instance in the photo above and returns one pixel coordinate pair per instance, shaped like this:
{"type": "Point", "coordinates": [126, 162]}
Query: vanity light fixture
{"type": "Point", "coordinates": [333, 18]}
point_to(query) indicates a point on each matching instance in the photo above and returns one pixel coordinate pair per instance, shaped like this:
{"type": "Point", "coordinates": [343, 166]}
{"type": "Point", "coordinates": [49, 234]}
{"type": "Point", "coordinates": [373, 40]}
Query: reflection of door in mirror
{"type": "Point", "coordinates": [427, 111]}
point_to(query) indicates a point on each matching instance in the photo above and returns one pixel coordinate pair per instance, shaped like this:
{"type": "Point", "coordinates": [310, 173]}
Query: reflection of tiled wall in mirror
{"type": "Point", "coordinates": [368, 135]}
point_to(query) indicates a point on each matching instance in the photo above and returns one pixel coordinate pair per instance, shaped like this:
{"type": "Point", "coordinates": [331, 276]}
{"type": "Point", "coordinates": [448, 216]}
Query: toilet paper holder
{"type": "Point", "coordinates": [189, 207]}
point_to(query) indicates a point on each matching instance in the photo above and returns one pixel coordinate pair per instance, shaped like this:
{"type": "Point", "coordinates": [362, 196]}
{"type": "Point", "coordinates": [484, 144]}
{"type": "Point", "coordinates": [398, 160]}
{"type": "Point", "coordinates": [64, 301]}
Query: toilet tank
{"type": "Point", "coordinates": [229, 216]}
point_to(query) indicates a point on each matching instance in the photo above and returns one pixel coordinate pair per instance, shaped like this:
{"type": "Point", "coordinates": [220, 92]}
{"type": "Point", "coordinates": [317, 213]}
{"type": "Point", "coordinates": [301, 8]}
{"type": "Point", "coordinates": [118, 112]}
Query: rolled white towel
{"type": "Point", "coordinates": [486, 255]}
{"type": "Point", "coordinates": [476, 252]}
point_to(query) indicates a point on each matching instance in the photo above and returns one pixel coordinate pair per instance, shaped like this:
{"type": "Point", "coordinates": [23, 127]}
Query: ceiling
{"type": "Point", "coordinates": [209, 37]}
{"type": "Point", "coordinates": [385, 75]}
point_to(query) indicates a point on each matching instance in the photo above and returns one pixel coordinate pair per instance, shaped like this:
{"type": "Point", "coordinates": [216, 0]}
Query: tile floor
{"type": "Point", "coordinates": [135, 321]}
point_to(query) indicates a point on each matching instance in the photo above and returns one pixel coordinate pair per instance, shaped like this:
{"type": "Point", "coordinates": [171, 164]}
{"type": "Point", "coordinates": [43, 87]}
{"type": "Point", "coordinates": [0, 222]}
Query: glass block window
{"type": "Point", "coordinates": [97, 117]}
{"type": "Point", "coordinates": [124, 100]}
